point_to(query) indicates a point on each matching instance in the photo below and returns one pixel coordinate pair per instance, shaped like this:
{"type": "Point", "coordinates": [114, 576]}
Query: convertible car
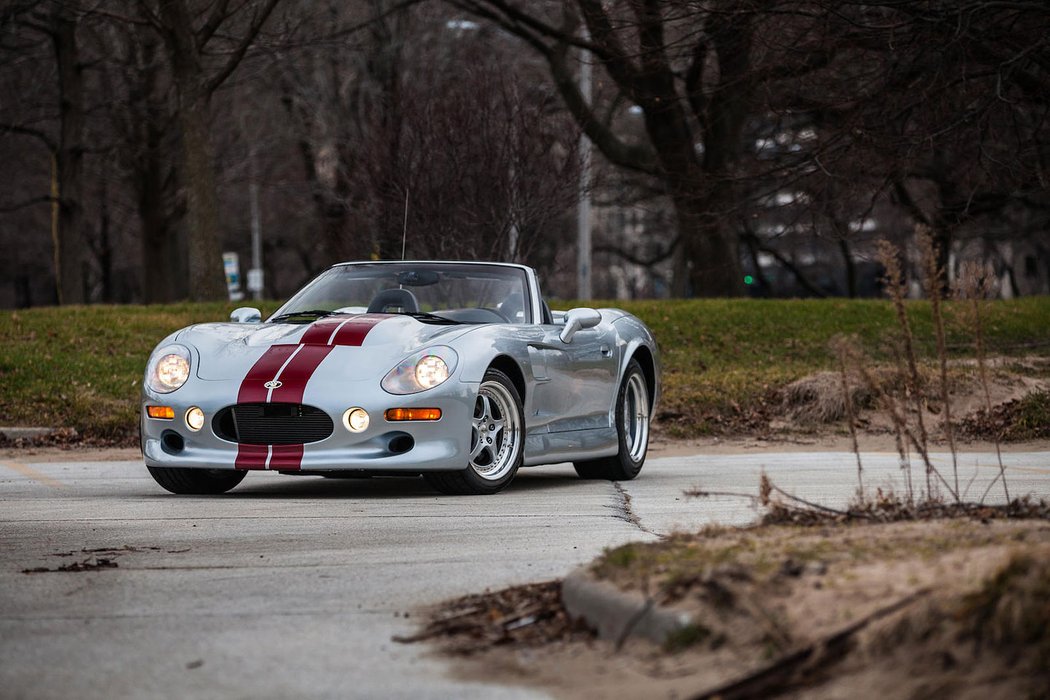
{"type": "Point", "coordinates": [457, 371]}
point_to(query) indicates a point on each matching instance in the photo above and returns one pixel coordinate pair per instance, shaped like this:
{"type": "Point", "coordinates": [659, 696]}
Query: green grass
{"type": "Point", "coordinates": [81, 366]}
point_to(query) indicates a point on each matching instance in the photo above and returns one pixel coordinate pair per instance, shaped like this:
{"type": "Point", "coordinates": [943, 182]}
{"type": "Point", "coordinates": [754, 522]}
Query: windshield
{"type": "Point", "coordinates": [433, 292]}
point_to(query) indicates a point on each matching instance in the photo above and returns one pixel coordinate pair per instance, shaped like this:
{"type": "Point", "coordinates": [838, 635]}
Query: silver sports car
{"type": "Point", "coordinates": [457, 371]}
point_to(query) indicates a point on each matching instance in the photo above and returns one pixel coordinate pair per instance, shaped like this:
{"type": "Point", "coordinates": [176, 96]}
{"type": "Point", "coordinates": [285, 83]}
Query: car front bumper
{"type": "Point", "coordinates": [441, 445]}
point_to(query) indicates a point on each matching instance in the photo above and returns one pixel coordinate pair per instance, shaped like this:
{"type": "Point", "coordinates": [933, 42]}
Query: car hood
{"type": "Point", "coordinates": [228, 350]}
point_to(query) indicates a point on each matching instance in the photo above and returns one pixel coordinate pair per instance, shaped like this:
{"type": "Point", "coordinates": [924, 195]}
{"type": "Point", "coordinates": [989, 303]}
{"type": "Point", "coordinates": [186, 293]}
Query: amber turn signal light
{"type": "Point", "coordinates": [160, 412]}
{"type": "Point", "coordinates": [403, 414]}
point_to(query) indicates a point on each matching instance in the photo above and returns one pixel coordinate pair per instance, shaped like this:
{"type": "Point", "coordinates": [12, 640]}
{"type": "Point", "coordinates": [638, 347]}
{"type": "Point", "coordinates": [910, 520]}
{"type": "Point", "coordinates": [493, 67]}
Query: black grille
{"type": "Point", "coordinates": [272, 423]}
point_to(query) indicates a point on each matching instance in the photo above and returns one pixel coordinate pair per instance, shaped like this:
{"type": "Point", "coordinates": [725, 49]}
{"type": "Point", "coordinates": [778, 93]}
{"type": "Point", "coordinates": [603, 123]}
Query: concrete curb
{"type": "Point", "coordinates": [14, 433]}
{"type": "Point", "coordinates": [618, 615]}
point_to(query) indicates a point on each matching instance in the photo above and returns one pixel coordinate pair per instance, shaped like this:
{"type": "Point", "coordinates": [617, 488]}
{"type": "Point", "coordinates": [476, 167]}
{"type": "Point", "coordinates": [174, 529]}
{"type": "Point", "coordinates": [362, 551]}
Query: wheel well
{"type": "Point", "coordinates": [645, 361]}
{"type": "Point", "coordinates": [510, 368]}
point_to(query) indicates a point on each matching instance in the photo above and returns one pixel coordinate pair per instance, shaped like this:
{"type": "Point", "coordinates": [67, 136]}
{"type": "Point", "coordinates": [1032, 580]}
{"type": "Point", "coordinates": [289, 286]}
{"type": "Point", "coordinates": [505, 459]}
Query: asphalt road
{"type": "Point", "coordinates": [294, 586]}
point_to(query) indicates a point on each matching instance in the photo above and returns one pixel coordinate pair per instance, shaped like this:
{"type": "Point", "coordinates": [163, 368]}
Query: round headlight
{"type": "Point", "coordinates": [356, 420]}
{"type": "Point", "coordinates": [194, 419]}
{"type": "Point", "coordinates": [431, 370]}
{"type": "Point", "coordinates": [420, 371]}
{"type": "Point", "coordinates": [169, 369]}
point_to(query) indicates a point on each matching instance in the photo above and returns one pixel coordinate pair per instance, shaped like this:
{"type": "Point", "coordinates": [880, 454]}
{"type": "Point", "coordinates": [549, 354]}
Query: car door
{"type": "Point", "coordinates": [575, 381]}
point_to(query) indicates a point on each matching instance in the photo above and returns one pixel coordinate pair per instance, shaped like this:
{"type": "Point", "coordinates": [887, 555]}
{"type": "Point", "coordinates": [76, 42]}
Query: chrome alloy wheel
{"type": "Point", "coordinates": [495, 432]}
{"type": "Point", "coordinates": [636, 417]}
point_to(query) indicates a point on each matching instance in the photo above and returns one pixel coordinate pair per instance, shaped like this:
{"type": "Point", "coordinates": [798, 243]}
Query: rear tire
{"type": "Point", "coordinates": [632, 429]}
{"type": "Point", "coordinates": [198, 482]}
{"type": "Point", "coordinates": [497, 441]}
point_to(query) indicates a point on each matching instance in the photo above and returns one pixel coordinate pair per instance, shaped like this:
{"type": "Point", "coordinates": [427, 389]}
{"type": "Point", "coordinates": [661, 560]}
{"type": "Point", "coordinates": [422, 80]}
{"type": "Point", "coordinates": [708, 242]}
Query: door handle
{"type": "Point", "coordinates": [606, 351]}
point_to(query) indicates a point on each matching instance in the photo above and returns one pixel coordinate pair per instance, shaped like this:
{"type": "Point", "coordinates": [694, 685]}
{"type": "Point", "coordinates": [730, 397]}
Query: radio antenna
{"type": "Point", "coordinates": [404, 229]}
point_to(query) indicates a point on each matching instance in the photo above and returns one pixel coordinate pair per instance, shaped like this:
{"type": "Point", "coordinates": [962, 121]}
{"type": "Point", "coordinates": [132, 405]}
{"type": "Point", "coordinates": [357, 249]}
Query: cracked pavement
{"type": "Point", "coordinates": [294, 586]}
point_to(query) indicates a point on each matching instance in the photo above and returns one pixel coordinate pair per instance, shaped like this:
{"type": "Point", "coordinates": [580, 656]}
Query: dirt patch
{"type": "Point", "coordinates": [1027, 418]}
{"type": "Point", "coordinates": [1018, 389]}
{"type": "Point", "coordinates": [945, 608]}
{"type": "Point", "coordinates": [68, 438]}
{"type": "Point", "coordinates": [71, 453]}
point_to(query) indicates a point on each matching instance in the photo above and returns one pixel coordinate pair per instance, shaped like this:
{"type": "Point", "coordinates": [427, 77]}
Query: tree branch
{"type": "Point", "coordinates": [694, 85]}
{"type": "Point", "coordinates": [612, 147]}
{"type": "Point", "coordinates": [788, 265]}
{"type": "Point", "coordinates": [29, 131]}
{"type": "Point", "coordinates": [246, 41]}
{"type": "Point", "coordinates": [8, 208]}
{"type": "Point", "coordinates": [909, 204]}
{"type": "Point", "coordinates": [215, 18]}
{"type": "Point", "coordinates": [610, 50]}
{"type": "Point", "coordinates": [513, 19]}
{"type": "Point", "coordinates": [636, 259]}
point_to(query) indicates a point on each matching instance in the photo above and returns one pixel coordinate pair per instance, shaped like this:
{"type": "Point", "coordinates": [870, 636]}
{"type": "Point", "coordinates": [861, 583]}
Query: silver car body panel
{"type": "Point", "coordinates": [570, 391]}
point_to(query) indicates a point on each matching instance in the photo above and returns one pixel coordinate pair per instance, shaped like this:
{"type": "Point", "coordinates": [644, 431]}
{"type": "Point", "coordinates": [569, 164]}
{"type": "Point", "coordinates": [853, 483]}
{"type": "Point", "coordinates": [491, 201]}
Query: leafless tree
{"type": "Point", "coordinates": [427, 130]}
{"type": "Point", "coordinates": [191, 37]}
{"type": "Point", "coordinates": [60, 130]}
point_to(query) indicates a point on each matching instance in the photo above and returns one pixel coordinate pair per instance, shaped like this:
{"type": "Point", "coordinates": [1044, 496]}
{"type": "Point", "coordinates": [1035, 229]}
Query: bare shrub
{"type": "Point", "coordinates": [847, 349]}
{"type": "Point", "coordinates": [933, 281]}
{"type": "Point", "coordinates": [974, 285]}
{"type": "Point", "coordinates": [819, 398]}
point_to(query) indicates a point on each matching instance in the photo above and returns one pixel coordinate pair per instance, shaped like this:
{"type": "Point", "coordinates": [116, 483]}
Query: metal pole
{"type": "Point", "coordinates": [583, 213]}
{"type": "Point", "coordinates": [253, 197]}
{"type": "Point", "coordinates": [513, 234]}
{"type": "Point", "coordinates": [256, 235]}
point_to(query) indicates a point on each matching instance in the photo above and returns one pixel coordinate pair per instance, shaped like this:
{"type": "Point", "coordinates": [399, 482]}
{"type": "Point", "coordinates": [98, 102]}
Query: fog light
{"type": "Point", "coordinates": [195, 419]}
{"type": "Point", "coordinates": [355, 419]}
{"type": "Point", "coordinates": [160, 412]}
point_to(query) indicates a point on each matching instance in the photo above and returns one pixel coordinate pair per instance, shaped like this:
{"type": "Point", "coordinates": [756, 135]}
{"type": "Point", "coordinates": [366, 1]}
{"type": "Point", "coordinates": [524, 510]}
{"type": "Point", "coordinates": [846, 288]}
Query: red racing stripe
{"type": "Point", "coordinates": [286, 457]}
{"type": "Point", "coordinates": [320, 331]}
{"type": "Point", "coordinates": [354, 331]}
{"type": "Point", "coordinates": [264, 369]}
{"type": "Point", "coordinates": [298, 372]}
{"type": "Point", "coordinates": [251, 456]}
{"type": "Point", "coordinates": [293, 366]}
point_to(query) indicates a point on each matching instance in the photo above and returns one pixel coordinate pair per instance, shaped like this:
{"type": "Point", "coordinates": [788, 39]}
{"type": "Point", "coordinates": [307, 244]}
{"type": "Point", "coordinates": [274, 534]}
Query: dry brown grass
{"type": "Point", "coordinates": [817, 399]}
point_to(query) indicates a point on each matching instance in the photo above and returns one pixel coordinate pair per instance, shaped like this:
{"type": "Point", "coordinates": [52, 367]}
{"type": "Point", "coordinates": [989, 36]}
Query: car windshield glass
{"type": "Point", "coordinates": [431, 292]}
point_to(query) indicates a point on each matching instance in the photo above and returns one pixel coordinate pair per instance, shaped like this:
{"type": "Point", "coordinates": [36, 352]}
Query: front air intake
{"type": "Point", "coordinates": [272, 424]}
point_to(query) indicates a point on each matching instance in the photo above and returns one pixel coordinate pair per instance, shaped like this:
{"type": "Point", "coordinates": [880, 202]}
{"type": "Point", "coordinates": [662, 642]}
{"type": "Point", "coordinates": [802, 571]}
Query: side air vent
{"type": "Point", "coordinates": [272, 424]}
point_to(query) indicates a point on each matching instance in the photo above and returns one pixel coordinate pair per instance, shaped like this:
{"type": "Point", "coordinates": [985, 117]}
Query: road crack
{"type": "Point", "coordinates": [625, 511]}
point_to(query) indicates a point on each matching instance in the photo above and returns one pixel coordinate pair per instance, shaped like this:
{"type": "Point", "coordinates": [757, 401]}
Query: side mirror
{"type": "Point", "coordinates": [577, 320]}
{"type": "Point", "coordinates": [246, 314]}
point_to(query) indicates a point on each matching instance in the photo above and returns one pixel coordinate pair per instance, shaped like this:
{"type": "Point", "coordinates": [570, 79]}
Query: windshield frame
{"type": "Point", "coordinates": [533, 314]}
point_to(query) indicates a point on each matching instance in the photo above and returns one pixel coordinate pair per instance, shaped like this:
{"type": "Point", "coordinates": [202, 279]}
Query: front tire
{"type": "Point", "coordinates": [496, 441]}
{"type": "Point", "coordinates": [197, 482]}
{"type": "Point", "coordinates": [632, 429]}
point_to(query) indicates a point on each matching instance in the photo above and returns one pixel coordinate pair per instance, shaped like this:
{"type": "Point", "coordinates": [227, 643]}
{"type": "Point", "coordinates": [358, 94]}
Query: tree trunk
{"type": "Point", "coordinates": [850, 266]}
{"type": "Point", "coordinates": [163, 248]}
{"type": "Point", "coordinates": [104, 248]}
{"type": "Point", "coordinates": [942, 241]}
{"type": "Point", "coordinates": [152, 174]}
{"type": "Point", "coordinates": [206, 278]}
{"type": "Point", "coordinates": [69, 158]}
{"type": "Point", "coordinates": [714, 261]}
{"type": "Point", "coordinates": [203, 229]}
